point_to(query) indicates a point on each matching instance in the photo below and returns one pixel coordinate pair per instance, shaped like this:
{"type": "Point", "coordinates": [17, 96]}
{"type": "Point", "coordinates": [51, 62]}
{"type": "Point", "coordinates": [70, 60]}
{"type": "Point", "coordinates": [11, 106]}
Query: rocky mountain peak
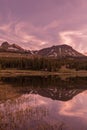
{"type": "Point", "coordinates": [5, 45]}
{"type": "Point", "coordinates": [59, 51]}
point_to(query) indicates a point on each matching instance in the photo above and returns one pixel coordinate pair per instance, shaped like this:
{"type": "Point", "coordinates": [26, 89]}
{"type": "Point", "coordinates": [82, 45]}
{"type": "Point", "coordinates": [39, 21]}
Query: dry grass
{"type": "Point", "coordinates": [61, 73]}
{"type": "Point", "coordinates": [7, 92]}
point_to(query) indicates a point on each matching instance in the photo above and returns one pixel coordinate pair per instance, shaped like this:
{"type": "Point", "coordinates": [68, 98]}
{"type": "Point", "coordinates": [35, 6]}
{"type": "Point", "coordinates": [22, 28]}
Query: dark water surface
{"type": "Point", "coordinates": [43, 103]}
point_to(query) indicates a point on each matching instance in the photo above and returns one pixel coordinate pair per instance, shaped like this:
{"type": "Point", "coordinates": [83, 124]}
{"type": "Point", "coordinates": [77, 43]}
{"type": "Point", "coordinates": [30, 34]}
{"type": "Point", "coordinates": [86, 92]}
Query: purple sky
{"type": "Point", "coordinates": [34, 24]}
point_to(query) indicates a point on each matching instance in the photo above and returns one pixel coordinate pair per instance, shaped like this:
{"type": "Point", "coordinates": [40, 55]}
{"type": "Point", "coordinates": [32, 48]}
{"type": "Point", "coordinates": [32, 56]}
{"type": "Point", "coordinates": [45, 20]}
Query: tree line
{"type": "Point", "coordinates": [46, 64]}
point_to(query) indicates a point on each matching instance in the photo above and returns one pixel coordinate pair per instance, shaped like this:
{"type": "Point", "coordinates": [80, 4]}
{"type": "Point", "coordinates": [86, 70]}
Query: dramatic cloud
{"type": "Point", "coordinates": [42, 23]}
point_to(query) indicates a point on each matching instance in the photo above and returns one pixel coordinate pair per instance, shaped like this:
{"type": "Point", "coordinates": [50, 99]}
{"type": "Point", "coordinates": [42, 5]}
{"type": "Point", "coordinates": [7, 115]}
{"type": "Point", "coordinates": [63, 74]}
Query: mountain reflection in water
{"type": "Point", "coordinates": [43, 103]}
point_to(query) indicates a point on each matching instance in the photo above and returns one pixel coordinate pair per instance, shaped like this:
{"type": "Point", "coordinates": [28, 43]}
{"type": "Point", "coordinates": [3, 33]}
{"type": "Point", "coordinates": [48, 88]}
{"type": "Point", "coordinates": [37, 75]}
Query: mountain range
{"type": "Point", "coordinates": [6, 47]}
{"type": "Point", "coordinates": [54, 51]}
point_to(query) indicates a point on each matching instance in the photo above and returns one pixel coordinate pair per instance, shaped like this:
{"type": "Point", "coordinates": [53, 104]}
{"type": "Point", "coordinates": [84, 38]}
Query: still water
{"type": "Point", "coordinates": [43, 103]}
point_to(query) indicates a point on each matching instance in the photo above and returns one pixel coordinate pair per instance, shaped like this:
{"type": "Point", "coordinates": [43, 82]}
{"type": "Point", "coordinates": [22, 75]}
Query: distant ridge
{"type": "Point", "coordinates": [6, 47]}
{"type": "Point", "coordinates": [57, 51]}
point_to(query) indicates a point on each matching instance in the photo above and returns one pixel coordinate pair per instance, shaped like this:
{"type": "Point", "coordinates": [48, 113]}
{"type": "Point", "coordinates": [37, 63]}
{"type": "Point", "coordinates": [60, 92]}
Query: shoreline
{"type": "Point", "coordinates": [6, 73]}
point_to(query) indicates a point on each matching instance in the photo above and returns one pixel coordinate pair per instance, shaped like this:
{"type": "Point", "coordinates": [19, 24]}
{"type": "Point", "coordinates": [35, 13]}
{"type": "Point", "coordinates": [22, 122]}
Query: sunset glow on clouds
{"type": "Point", "coordinates": [34, 24]}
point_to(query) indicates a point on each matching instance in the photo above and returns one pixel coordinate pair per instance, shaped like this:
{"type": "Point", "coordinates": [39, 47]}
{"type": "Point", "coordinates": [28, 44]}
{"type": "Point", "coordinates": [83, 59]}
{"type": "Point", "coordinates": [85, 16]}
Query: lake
{"type": "Point", "coordinates": [43, 103]}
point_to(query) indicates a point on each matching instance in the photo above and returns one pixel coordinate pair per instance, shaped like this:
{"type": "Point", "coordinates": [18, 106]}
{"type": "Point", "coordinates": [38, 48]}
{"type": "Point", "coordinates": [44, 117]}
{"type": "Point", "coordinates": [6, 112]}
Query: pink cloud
{"type": "Point", "coordinates": [34, 26]}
